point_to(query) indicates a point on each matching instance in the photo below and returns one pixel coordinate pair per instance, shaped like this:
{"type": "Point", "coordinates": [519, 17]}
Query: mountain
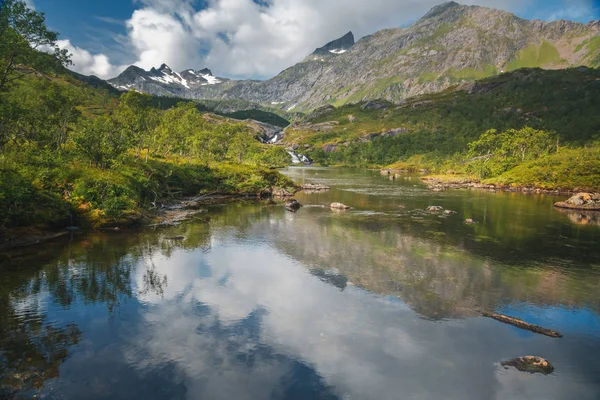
{"type": "Point", "coordinates": [451, 44]}
{"type": "Point", "coordinates": [339, 46]}
{"type": "Point", "coordinates": [166, 82]}
{"type": "Point", "coordinates": [441, 125]}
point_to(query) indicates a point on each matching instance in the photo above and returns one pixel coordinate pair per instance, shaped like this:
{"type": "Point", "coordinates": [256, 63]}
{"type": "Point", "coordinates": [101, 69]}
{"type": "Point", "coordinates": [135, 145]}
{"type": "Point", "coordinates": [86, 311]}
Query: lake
{"type": "Point", "coordinates": [382, 301]}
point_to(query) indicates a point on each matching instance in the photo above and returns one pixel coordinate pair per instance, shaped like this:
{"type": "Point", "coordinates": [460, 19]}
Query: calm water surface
{"type": "Point", "coordinates": [379, 302]}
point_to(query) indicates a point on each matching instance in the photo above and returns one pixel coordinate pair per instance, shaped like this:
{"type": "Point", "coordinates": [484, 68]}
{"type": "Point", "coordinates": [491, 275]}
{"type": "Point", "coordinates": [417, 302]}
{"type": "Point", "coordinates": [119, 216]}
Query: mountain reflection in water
{"type": "Point", "coordinates": [380, 302]}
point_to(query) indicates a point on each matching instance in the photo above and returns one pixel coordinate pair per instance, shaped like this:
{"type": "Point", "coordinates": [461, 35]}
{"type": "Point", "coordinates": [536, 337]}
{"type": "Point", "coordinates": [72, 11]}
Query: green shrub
{"type": "Point", "coordinates": [22, 203]}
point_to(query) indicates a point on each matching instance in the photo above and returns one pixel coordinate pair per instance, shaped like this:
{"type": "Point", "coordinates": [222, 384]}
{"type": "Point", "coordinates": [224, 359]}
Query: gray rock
{"type": "Point", "coordinates": [432, 209]}
{"type": "Point", "coordinates": [292, 205]}
{"type": "Point", "coordinates": [531, 364]}
{"type": "Point", "coordinates": [339, 206]}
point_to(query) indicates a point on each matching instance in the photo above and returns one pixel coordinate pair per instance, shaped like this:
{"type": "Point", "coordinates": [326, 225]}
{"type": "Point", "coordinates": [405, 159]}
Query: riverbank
{"type": "Point", "coordinates": [168, 215]}
{"type": "Point", "coordinates": [135, 194]}
{"type": "Point", "coordinates": [445, 182]}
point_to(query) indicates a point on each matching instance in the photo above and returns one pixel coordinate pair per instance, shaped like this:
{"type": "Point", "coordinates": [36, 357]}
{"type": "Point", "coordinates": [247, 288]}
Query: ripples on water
{"type": "Point", "coordinates": [380, 302]}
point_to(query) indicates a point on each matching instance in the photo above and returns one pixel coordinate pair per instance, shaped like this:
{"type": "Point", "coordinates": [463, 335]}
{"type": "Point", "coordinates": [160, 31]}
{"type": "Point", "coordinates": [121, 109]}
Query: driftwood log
{"type": "Point", "coordinates": [523, 325]}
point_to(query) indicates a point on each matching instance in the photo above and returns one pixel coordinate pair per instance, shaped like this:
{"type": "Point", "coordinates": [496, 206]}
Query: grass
{"type": "Point", "coordinates": [592, 46]}
{"type": "Point", "coordinates": [536, 56]}
{"type": "Point", "coordinates": [473, 73]}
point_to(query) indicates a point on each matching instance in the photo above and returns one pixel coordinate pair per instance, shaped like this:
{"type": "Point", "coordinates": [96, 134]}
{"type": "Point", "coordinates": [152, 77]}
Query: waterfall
{"type": "Point", "coordinates": [295, 158]}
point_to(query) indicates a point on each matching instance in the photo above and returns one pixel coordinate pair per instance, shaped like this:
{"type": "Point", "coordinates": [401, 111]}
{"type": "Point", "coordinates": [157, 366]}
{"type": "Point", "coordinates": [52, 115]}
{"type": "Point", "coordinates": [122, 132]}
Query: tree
{"type": "Point", "coordinates": [240, 145]}
{"type": "Point", "coordinates": [135, 116]}
{"type": "Point", "coordinates": [101, 140]}
{"type": "Point", "coordinates": [27, 44]}
{"type": "Point", "coordinates": [495, 153]}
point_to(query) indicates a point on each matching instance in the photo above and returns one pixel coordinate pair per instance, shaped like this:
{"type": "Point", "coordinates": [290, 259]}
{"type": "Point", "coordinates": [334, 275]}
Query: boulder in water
{"type": "Point", "coordinates": [581, 201]}
{"type": "Point", "coordinates": [531, 364]}
{"type": "Point", "coordinates": [339, 206]}
{"type": "Point", "coordinates": [292, 205]}
{"type": "Point", "coordinates": [433, 209]}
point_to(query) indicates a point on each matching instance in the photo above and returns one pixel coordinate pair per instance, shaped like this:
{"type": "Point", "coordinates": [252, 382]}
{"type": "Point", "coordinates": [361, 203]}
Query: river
{"type": "Point", "coordinates": [382, 301]}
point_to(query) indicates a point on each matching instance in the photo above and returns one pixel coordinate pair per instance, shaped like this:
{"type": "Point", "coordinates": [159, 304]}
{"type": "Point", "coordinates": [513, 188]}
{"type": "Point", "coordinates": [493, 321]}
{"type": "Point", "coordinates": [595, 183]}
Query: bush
{"type": "Point", "coordinates": [22, 203]}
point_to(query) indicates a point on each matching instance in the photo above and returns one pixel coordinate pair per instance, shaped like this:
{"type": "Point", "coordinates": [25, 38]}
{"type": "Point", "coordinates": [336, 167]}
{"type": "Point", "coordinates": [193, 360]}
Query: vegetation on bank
{"type": "Point", "coordinates": [502, 129]}
{"type": "Point", "coordinates": [72, 152]}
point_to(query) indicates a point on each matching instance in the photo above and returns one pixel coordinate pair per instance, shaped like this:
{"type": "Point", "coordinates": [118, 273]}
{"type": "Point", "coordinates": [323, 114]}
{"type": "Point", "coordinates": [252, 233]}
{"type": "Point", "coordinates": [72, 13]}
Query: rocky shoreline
{"type": "Point", "coordinates": [581, 202]}
{"type": "Point", "coordinates": [168, 214]}
{"type": "Point", "coordinates": [439, 184]}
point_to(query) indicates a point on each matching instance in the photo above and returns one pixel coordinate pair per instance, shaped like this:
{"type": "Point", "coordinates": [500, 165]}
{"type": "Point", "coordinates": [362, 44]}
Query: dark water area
{"type": "Point", "coordinates": [382, 301]}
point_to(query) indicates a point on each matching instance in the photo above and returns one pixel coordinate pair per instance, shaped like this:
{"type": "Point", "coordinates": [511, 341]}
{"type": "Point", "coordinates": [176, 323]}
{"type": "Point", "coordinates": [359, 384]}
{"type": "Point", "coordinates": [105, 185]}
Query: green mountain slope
{"type": "Point", "coordinates": [435, 130]}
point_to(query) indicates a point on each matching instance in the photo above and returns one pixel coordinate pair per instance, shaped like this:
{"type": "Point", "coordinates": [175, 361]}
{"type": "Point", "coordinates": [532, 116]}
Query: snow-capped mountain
{"type": "Point", "coordinates": [164, 81]}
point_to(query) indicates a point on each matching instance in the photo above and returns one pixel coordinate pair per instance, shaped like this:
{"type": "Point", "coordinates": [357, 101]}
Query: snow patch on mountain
{"type": "Point", "coordinates": [164, 76]}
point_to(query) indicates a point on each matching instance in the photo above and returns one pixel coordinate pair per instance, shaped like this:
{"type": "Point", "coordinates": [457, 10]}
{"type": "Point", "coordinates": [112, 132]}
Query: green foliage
{"type": "Point", "coordinates": [22, 203]}
{"type": "Point", "coordinates": [495, 153]}
{"type": "Point", "coordinates": [441, 125]}
{"type": "Point", "coordinates": [77, 150]}
{"type": "Point", "coordinates": [23, 32]}
{"type": "Point", "coordinates": [569, 168]}
{"type": "Point", "coordinates": [101, 141]}
{"type": "Point", "coordinates": [245, 110]}
{"type": "Point", "coordinates": [259, 115]}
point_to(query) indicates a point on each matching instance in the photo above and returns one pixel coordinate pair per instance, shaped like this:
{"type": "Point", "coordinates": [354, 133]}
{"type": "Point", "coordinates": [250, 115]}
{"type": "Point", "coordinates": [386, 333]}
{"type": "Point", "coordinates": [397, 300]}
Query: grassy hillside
{"type": "Point", "coordinates": [434, 131]}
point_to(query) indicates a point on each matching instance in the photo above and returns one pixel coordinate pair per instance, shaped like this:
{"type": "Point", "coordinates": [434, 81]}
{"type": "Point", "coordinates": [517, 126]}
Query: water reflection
{"type": "Point", "coordinates": [582, 217]}
{"type": "Point", "coordinates": [256, 302]}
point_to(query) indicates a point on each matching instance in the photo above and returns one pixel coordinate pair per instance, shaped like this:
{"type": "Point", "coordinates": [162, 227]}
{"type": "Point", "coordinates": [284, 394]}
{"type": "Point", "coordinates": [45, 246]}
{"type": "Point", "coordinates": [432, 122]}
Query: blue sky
{"type": "Point", "coordinates": [242, 38]}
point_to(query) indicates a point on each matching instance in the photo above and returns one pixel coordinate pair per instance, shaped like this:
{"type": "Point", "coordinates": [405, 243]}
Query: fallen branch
{"type": "Point", "coordinates": [523, 325]}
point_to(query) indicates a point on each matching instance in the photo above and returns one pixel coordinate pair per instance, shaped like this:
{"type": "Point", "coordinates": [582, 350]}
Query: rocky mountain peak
{"type": "Point", "coordinates": [164, 81]}
{"type": "Point", "coordinates": [452, 44]}
{"type": "Point", "coordinates": [165, 68]}
{"type": "Point", "coordinates": [448, 8]}
{"type": "Point", "coordinates": [338, 46]}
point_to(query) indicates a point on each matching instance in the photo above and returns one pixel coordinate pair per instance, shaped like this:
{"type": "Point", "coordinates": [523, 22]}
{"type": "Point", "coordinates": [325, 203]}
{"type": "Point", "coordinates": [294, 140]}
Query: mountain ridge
{"type": "Point", "coordinates": [449, 45]}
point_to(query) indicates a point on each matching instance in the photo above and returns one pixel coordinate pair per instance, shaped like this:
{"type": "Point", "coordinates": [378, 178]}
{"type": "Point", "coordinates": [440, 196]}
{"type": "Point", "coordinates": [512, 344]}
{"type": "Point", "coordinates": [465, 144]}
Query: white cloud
{"type": "Point", "coordinates": [240, 38]}
{"type": "Point", "coordinates": [579, 10]}
{"type": "Point", "coordinates": [89, 64]}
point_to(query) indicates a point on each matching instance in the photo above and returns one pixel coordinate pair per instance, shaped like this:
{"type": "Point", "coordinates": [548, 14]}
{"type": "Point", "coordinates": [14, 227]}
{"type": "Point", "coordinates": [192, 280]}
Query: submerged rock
{"type": "Point", "coordinates": [293, 205]}
{"type": "Point", "coordinates": [435, 209]}
{"type": "Point", "coordinates": [281, 192]}
{"type": "Point", "coordinates": [314, 187]}
{"type": "Point", "coordinates": [449, 212]}
{"type": "Point", "coordinates": [531, 364]}
{"type": "Point", "coordinates": [470, 221]}
{"type": "Point", "coordinates": [581, 201]}
{"type": "Point", "coordinates": [339, 206]}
